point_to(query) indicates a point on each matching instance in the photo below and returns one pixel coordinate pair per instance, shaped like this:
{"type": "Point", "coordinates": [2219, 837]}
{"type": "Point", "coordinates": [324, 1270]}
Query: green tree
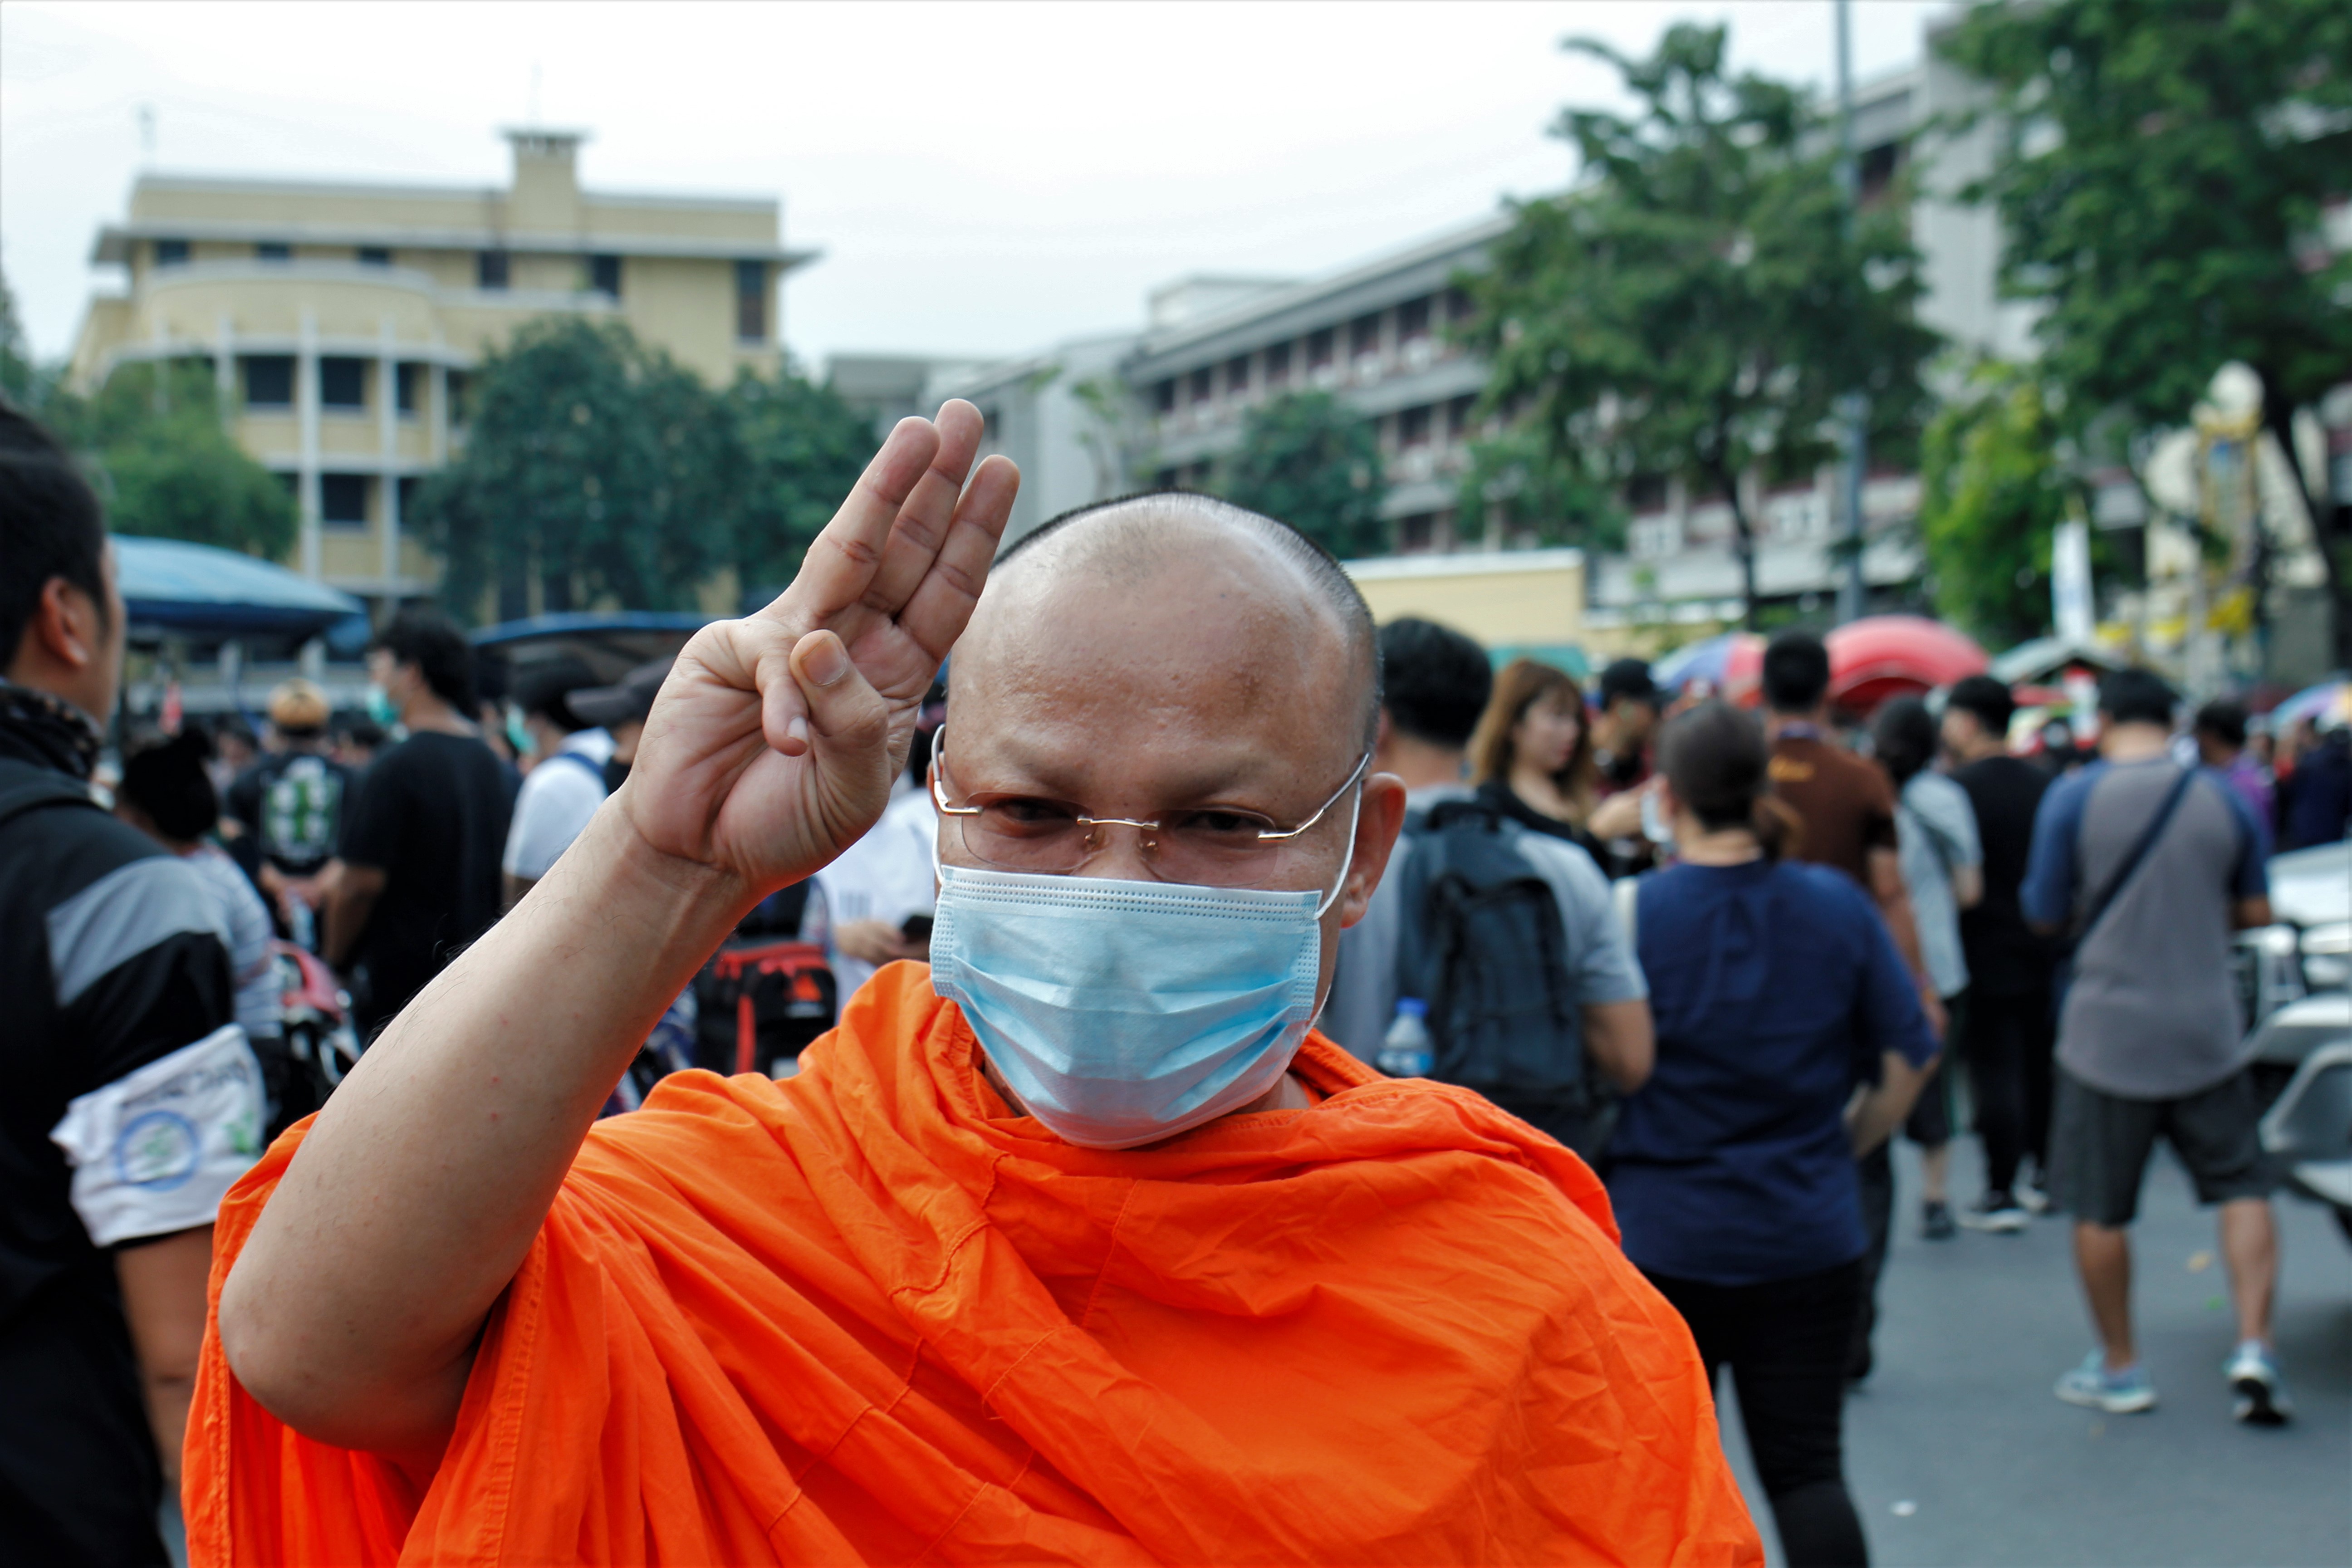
{"type": "Point", "coordinates": [799, 447]}
{"type": "Point", "coordinates": [1311, 461]}
{"type": "Point", "coordinates": [1538, 492]}
{"type": "Point", "coordinates": [1994, 490]}
{"type": "Point", "coordinates": [20, 380]}
{"type": "Point", "coordinates": [593, 463]}
{"type": "Point", "coordinates": [160, 453]}
{"type": "Point", "coordinates": [2162, 191]}
{"type": "Point", "coordinates": [1698, 305]}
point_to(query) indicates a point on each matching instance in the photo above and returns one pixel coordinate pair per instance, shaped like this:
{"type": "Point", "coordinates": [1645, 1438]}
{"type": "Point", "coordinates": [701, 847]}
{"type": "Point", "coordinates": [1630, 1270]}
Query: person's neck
{"type": "Point", "coordinates": [429, 712]}
{"type": "Point", "coordinates": [1982, 747]}
{"type": "Point", "coordinates": [1539, 789]}
{"type": "Point", "coordinates": [1695, 846]}
{"type": "Point", "coordinates": [1422, 764]}
{"type": "Point", "coordinates": [2134, 743]}
{"type": "Point", "coordinates": [1775, 722]}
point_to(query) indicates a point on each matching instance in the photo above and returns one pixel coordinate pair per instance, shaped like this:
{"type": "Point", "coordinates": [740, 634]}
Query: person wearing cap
{"type": "Point", "coordinates": [417, 875]}
{"type": "Point", "coordinates": [291, 803]}
{"type": "Point", "coordinates": [1629, 718]}
{"type": "Point", "coordinates": [566, 780]}
{"type": "Point", "coordinates": [621, 710]}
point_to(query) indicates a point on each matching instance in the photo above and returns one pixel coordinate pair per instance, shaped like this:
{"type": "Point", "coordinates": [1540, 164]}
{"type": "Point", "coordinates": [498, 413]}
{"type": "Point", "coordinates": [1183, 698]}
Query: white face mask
{"type": "Point", "coordinates": [1120, 1012]}
{"type": "Point", "coordinates": [1655, 825]}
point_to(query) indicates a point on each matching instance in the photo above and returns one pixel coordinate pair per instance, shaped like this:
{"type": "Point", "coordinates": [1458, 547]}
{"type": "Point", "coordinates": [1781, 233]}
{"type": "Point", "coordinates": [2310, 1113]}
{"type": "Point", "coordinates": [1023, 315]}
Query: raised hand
{"type": "Point", "coordinates": [773, 745]}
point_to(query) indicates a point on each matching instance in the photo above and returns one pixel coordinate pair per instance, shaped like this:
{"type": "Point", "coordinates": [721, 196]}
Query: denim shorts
{"type": "Point", "coordinates": [2100, 1144]}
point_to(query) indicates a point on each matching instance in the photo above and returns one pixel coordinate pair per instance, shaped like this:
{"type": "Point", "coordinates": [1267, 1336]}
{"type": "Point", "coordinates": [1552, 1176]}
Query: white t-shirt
{"type": "Point", "coordinates": [558, 797]}
{"type": "Point", "coordinates": [884, 876]}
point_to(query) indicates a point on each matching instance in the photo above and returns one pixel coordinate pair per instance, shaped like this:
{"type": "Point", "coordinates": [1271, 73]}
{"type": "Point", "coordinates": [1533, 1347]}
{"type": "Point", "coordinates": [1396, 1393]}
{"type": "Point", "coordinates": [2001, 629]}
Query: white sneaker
{"type": "Point", "coordinates": [2121, 1393]}
{"type": "Point", "coordinates": [2260, 1398]}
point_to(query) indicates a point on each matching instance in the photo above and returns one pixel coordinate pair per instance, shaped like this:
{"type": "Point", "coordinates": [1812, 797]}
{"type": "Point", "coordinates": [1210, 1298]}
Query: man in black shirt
{"type": "Point", "coordinates": [417, 875]}
{"type": "Point", "coordinates": [291, 803]}
{"type": "Point", "coordinates": [133, 1099]}
{"type": "Point", "coordinates": [2008, 1035]}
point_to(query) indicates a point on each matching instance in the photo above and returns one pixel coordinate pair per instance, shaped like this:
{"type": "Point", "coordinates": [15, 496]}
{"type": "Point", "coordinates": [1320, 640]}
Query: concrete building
{"type": "Point", "coordinates": [341, 321]}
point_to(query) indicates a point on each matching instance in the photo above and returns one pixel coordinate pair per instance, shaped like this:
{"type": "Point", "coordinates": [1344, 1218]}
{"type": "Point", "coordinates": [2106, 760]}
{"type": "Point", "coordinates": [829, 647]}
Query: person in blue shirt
{"type": "Point", "coordinates": [1777, 993]}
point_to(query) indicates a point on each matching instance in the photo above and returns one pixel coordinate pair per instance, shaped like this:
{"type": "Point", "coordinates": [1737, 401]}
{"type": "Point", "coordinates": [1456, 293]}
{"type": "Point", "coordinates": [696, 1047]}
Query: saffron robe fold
{"type": "Point", "coordinates": [865, 1315]}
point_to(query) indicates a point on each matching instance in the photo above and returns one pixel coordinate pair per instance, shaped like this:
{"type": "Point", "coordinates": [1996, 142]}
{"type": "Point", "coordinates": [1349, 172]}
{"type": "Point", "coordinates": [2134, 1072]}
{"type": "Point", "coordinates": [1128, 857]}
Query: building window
{"type": "Point", "coordinates": [1163, 397]}
{"type": "Point", "coordinates": [750, 300]}
{"type": "Point", "coordinates": [268, 380]}
{"type": "Point", "coordinates": [342, 381]}
{"type": "Point", "coordinates": [171, 253]}
{"type": "Point", "coordinates": [1412, 320]}
{"type": "Point", "coordinates": [342, 501]}
{"type": "Point", "coordinates": [1319, 345]}
{"type": "Point", "coordinates": [1457, 418]}
{"type": "Point", "coordinates": [1412, 426]}
{"type": "Point", "coordinates": [1458, 307]}
{"type": "Point", "coordinates": [374, 255]}
{"type": "Point", "coordinates": [1364, 336]}
{"type": "Point", "coordinates": [407, 385]}
{"type": "Point", "coordinates": [1646, 493]}
{"type": "Point", "coordinates": [1417, 533]}
{"type": "Point", "coordinates": [490, 270]}
{"type": "Point", "coordinates": [604, 276]}
{"type": "Point", "coordinates": [406, 492]}
{"type": "Point", "coordinates": [271, 250]}
{"type": "Point", "coordinates": [1277, 366]}
{"type": "Point", "coordinates": [1237, 375]}
{"type": "Point", "coordinates": [1204, 384]}
{"type": "Point", "coordinates": [460, 392]}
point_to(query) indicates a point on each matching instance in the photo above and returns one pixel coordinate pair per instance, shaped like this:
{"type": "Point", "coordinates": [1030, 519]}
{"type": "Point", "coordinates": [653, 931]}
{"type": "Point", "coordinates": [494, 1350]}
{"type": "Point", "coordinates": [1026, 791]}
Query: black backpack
{"type": "Point", "coordinates": [1485, 948]}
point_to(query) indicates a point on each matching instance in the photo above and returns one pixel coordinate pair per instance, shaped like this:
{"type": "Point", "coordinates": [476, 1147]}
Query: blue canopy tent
{"type": "Point", "coordinates": [202, 592]}
{"type": "Point", "coordinates": [611, 643]}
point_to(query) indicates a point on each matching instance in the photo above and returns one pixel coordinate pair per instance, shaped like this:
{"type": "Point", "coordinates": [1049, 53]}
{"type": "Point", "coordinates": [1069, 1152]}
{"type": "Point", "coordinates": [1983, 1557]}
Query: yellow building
{"type": "Point", "coordinates": [1509, 601]}
{"type": "Point", "coordinates": [341, 321]}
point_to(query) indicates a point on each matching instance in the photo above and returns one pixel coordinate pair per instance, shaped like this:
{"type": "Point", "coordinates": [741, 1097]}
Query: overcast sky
{"type": "Point", "coordinates": [982, 178]}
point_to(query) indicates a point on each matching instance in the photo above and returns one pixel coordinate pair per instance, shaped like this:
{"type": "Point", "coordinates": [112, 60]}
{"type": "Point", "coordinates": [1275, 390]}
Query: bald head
{"type": "Point", "coordinates": [1157, 542]}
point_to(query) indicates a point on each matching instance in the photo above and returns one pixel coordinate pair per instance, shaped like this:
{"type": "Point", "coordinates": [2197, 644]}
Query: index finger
{"type": "Point", "coordinates": [841, 562]}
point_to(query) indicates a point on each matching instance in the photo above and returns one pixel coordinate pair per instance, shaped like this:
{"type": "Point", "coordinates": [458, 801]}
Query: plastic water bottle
{"type": "Point", "coordinates": [1405, 1051]}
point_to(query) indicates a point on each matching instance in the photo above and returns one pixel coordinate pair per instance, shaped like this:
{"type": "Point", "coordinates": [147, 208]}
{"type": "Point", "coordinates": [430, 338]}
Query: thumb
{"type": "Point", "coordinates": [847, 717]}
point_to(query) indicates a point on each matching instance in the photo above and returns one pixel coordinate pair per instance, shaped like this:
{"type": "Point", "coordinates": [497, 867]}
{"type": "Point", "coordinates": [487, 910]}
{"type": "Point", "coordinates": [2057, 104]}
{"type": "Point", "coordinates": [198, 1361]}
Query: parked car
{"type": "Point", "coordinates": [2295, 978]}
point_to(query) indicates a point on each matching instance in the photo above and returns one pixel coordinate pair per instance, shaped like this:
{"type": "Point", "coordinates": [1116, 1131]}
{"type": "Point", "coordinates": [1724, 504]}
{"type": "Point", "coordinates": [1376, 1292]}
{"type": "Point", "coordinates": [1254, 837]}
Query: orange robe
{"type": "Point", "coordinates": [865, 1315]}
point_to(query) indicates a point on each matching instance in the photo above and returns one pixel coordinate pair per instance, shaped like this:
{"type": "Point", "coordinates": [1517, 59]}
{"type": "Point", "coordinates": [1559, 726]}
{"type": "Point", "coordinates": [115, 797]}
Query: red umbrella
{"type": "Point", "coordinates": [1883, 656]}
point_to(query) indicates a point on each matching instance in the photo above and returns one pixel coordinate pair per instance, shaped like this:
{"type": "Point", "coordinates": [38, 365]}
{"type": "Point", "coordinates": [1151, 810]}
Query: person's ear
{"type": "Point", "coordinates": [1377, 827]}
{"type": "Point", "coordinates": [65, 623]}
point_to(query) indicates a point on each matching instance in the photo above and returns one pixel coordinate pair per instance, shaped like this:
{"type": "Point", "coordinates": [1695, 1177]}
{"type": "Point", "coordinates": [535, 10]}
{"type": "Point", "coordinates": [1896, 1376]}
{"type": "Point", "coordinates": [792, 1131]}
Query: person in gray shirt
{"type": "Point", "coordinates": [2152, 867]}
{"type": "Point", "coordinates": [1435, 683]}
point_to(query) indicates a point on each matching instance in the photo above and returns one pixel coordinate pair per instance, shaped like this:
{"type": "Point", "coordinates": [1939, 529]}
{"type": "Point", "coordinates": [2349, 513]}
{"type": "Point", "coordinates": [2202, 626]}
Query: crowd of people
{"type": "Point", "coordinates": [1721, 954]}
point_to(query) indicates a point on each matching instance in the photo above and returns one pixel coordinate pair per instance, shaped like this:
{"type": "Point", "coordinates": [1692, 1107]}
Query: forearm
{"type": "Point", "coordinates": [1880, 1108]}
{"type": "Point", "coordinates": [353, 1309]}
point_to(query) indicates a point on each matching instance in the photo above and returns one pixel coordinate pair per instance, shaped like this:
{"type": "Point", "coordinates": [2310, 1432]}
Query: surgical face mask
{"type": "Point", "coordinates": [1655, 825]}
{"type": "Point", "coordinates": [378, 706]}
{"type": "Point", "coordinates": [519, 733]}
{"type": "Point", "coordinates": [1121, 1013]}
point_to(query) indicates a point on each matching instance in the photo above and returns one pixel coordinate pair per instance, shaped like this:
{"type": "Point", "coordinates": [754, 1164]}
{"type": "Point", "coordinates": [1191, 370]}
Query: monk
{"type": "Point", "coordinates": [1077, 1246]}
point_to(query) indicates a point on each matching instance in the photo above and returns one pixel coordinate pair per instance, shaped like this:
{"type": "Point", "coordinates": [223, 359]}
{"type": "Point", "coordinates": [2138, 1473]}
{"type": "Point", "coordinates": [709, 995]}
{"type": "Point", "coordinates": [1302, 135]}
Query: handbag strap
{"type": "Point", "coordinates": [2097, 908]}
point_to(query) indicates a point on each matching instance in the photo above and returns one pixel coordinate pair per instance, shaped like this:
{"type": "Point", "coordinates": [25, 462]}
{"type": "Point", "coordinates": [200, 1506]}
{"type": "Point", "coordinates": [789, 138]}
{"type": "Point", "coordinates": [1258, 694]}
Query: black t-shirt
{"type": "Point", "coordinates": [107, 963]}
{"type": "Point", "coordinates": [292, 803]}
{"type": "Point", "coordinates": [1506, 802]}
{"type": "Point", "coordinates": [2005, 957]}
{"type": "Point", "coordinates": [431, 815]}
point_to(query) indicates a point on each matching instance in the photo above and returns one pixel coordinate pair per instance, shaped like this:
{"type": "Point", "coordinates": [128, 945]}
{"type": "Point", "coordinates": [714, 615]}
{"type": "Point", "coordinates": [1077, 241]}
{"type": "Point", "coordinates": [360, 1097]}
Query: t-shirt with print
{"type": "Point", "coordinates": [432, 816]}
{"type": "Point", "coordinates": [293, 803]}
{"type": "Point", "coordinates": [2151, 1012]}
{"type": "Point", "coordinates": [132, 1104]}
{"type": "Point", "coordinates": [1775, 990]}
{"type": "Point", "coordinates": [2005, 956]}
{"type": "Point", "coordinates": [1847, 804]}
{"type": "Point", "coordinates": [1937, 830]}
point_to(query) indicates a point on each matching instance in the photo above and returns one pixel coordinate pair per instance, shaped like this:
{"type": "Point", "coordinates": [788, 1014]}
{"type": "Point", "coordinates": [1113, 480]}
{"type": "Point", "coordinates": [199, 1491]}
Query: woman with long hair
{"type": "Point", "coordinates": [1531, 755]}
{"type": "Point", "coordinates": [1778, 995]}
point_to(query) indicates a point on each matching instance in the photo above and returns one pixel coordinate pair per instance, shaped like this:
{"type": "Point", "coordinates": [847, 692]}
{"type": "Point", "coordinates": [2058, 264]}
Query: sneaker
{"type": "Point", "coordinates": [2117, 1392]}
{"type": "Point", "coordinates": [2260, 1397]}
{"type": "Point", "coordinates": [1995, 1212]}
{"type": "Point", "coordinates": [1935, 1220]}
{"type": "Point", "coordinates": [2033, 1197]}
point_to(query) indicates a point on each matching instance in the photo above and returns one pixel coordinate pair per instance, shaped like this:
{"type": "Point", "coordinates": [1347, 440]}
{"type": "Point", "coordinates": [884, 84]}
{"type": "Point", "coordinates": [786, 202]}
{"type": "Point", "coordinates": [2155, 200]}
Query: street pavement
{"type": "Point", "coordinates": [1958, 1453]}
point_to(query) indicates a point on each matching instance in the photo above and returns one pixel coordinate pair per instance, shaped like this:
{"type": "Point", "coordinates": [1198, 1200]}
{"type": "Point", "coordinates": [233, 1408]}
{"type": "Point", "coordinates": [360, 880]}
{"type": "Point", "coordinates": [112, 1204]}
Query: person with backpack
{"type": "Point", "coordinates": [1496, 941]}
{"type": "Point", "coordinates": [291, 803]}
{"type": "Point", "coordinates": [2151, 867]}
{"type": "Point", "coordinates": [566, 780]}
{"type": "Point", "coordinates": [1733, 1171]}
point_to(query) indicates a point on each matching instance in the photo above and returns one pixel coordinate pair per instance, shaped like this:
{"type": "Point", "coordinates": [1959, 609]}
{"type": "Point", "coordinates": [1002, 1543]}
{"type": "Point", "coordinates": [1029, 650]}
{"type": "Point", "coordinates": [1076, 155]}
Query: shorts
{"type": "Point", "coordinates": [2100, 1144]}
{"type": "Point", "coordinates": [1929, 1125]}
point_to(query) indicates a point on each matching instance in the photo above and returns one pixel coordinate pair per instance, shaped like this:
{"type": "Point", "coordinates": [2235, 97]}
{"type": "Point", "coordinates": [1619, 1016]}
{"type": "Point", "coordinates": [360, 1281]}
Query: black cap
{"type": "Point", "coordinates": [1628, 678]}
{"type": "Point", "coordinates": [627, 702]}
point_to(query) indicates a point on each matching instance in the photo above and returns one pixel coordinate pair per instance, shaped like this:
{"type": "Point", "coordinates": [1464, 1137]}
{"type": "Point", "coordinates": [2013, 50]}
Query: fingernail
{"type": "Point", "coordinates": [797, 730]}
{"type": "Point", "coordinates": [826, 662]}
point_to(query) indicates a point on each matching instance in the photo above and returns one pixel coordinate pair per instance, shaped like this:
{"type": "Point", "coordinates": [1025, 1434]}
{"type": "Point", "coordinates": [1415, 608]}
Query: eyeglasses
{"type": "Point", "coordinates": [1218, 847]}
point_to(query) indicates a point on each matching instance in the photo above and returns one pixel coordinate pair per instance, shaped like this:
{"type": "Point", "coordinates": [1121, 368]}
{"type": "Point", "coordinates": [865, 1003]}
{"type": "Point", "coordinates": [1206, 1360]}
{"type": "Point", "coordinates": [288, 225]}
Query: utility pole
{"type": "Point", "coordinates": [1853, 407]}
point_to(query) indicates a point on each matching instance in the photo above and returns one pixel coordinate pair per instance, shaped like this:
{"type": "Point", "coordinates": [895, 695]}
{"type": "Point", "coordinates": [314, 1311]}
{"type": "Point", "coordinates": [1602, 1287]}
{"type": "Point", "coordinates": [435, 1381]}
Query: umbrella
{"type": "Point", "coordinates": [610, 643]}
{"type": "Point", "coordinates": [1707, 660]}
{"type": "Point", "coordinates": [2311, 702]}
{"type": "Point", "coordinates": [1883, 656]}
{"type": "Point", "coordinates": [201, 590]}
